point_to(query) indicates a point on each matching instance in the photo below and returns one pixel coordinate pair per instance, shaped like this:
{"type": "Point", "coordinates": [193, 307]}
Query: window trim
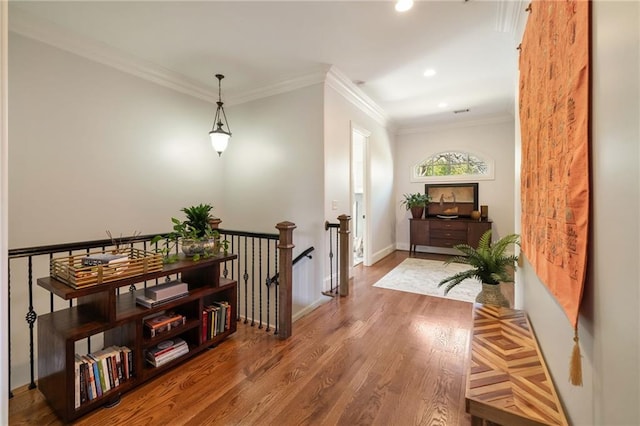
{"type": "Point", "coordinates": [490, 175]}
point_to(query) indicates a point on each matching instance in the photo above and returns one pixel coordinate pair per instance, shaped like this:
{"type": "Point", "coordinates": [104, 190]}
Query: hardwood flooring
{"type": "Point", "coordinates": [376, 357]}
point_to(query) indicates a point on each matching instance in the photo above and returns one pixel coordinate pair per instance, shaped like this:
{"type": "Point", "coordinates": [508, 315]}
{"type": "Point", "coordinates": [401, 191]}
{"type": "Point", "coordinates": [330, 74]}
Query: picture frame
{"type": "Point", "coordinates": [451, 200]}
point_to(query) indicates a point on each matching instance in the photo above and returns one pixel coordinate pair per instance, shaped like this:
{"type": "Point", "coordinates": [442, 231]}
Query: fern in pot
{"type": "Point", "coordinates": [490, 263]}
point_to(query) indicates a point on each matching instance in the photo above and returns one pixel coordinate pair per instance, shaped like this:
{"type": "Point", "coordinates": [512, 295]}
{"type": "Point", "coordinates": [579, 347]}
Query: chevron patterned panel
{"type": "Point", "coordinates": [508, 382]}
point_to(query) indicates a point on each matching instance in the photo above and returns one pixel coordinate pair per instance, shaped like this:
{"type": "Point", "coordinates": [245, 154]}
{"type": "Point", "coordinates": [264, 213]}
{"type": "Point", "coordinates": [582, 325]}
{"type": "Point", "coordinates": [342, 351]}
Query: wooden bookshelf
{"type": "Point", "coordinates": [101, 310]}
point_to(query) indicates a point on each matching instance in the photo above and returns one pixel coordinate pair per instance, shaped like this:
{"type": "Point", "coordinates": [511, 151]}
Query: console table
{"type": "Point", "coordinates": [436, 232]}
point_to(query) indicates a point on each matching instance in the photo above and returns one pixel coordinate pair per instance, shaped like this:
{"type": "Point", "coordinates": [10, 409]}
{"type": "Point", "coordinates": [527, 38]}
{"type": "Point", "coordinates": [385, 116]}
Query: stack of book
{"type": "Point", "coordinates": [163, 322]}
{"type": "Point", "coordinates": [166, 351]}
{"type": "Point", "coordinates": [112, 264]}
{"type": "Point", "coordinates": [104, 259]}
{"type": "Point", "coordinates": [163, 293]}
{"type": "Point", "coordinates": [101, 371]}
{"type": "Point", "coordinates": [216, 319]}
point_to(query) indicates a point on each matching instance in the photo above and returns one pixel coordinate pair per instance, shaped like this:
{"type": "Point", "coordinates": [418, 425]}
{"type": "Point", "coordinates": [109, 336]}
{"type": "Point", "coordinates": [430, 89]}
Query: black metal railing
{"type": "Point", "coordinates": [340, 257]}
{"type": "Point", "coordinates": [257, 262]}
{"type": "Point", "coordinates": [334, 259]}
{"type": "Point", "coordinates": [255, 269]}
{"type": "Point", "coordinates": [306, 253]}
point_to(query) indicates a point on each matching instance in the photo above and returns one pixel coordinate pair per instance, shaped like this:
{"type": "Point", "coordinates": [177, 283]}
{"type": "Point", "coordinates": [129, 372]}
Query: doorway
{"type": "Point", "coordinates": [359, 240]}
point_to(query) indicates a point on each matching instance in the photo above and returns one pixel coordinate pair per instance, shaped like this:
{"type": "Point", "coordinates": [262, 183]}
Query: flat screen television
{"type": "Point", "coordinates": [450, 200]}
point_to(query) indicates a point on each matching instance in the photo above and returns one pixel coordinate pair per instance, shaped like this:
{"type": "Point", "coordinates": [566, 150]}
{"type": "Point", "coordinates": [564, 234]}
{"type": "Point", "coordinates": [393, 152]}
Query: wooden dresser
{"type": "Point", "coordinates": [436, 232]}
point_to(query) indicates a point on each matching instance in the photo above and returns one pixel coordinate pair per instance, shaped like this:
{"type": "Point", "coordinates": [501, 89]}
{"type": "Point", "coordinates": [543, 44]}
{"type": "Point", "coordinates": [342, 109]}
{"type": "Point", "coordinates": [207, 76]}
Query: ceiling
{"type": "Point", "coordinates": [256, 44]}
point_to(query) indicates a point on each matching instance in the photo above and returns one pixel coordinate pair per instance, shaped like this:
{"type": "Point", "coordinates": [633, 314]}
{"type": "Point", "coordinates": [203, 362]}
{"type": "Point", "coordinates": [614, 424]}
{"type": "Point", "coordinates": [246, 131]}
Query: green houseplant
{"type": "Point", "coordinates": [194, 234]}
{"type": "Point", "coordinates": [489, 263]}
{"type": "Point", "coordinates": [198, 218]}
{"type": "Point", "coordinates": [415, 202]}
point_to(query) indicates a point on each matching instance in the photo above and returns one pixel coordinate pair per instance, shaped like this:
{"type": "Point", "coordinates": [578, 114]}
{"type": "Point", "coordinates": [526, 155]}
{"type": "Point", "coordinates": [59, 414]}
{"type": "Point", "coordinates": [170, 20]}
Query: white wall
{"type": "Point", "coordinates": [95, 149]}
{"type": "Point", "coordinates": [609, 324]}
{"type": "Point", "coordinates": [339, 116]}
{"type": "Point", "coordinates": [4, 209]}
{"type": "Point", "coordinates": [274, 172]}
{"type": "Point", "coordinates": [492, 139]}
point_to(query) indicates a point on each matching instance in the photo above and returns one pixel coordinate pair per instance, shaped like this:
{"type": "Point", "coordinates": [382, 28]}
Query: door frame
{"type": "Point", "coordinates": [366, 233]}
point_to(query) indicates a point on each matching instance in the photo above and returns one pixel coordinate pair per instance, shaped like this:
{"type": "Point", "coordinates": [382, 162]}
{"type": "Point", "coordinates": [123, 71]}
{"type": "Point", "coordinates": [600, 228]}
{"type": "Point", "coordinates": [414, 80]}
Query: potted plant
{"type": "Point", "coordinates": [198, 218]}
{"type": "Point", "coordinates": [195, 234]}
{"type": "Point", "coordinates": [490, 264]}
{"type": "Point", "coordinates": [206, 239]}
{"type": "Point", "coordinates": [416, 203]}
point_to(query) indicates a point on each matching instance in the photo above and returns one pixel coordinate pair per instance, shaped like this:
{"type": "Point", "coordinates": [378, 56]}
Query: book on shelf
{"type": "Point", "coordinates": [166, 351]}
{"type": "Point", "coordinates": [162, 323]}
{"type": "Point", "coordinates": [102, 374]}
{"type": "Point", "coordinates": [93, 366]}
{"type": "Point", "coordinates": [166, 290]}
{"type": "Point", "coordinates": [101, 371]}
{"type": "Point", "coordinates": [225, 315]}
{"type": "Point", "coordinates": [78, 377]}
{"type": "Point", "coordinates": [205, 325]}
{"type": "Point", "coordinates": [131, 372]}
{"type": "Point", "coordinates": [92, 392]}
{"type": "Point", "coordinates": [104, 259]}
{"type": "Point", "coordinates": [143, 300]}
{"type": "Point", "coordinates": [216, 319]}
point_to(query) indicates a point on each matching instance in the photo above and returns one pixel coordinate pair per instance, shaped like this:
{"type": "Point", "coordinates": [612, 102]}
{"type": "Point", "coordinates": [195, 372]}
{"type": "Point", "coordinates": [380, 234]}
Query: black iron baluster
{"type": "Point", "coordinates": [51, 294]}
{"type": "Point", "coordinates": [337, 261]}
{"type": "Point", "coordinates": [253, 281]}
{"type": "Point", "coordinates": [268, 284]}
{"type": "Point", "coordinates": [246, 283]}
{"type": "Point", "coordinates": [9, 325]}
{"type": "Point", "coordinates": [260, 280]}
{"type": "Point", "coordinates": [276, 291]}
{"type": "Point", "coordinates": [331, 258]}
{"type": "Point", "coordinates": [31, 319]}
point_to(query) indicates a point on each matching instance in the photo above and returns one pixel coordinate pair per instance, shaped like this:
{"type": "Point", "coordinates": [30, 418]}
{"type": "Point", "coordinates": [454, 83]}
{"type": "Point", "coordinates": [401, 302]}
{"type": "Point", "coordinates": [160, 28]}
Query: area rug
{"type": "Point", "coordinates": [422, 276]}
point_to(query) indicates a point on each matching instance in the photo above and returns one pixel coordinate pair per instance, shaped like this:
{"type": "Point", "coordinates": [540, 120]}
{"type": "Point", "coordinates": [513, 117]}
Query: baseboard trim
{"type": "Point", "coordinates": [309, 308]}
{"type": "Point", "coordinates": [379, 255]}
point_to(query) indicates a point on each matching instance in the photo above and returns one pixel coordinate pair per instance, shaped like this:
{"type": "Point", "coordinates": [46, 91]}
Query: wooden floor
{"type": "Point", "coordinates": [379, 356]}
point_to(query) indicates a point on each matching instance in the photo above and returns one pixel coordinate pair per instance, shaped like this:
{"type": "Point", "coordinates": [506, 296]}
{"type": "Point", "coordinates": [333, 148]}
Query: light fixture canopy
{"type": "Point", "coordinates": [219, 136]}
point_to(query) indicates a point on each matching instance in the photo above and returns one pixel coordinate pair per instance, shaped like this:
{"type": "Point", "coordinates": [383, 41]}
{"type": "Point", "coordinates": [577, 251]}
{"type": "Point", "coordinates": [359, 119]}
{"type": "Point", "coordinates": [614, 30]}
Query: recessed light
{"type": "Point", "coordinates": [429, 72]}
{"type": "Point", "coordinates": [404, 5]}
{"type": "Point", "coordinates": [443, 105]}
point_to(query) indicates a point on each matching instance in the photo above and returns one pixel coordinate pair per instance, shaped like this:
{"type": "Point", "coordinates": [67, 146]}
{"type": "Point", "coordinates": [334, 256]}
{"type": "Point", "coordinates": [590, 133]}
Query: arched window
{"type": "Point", "coordinates": [451, 166]}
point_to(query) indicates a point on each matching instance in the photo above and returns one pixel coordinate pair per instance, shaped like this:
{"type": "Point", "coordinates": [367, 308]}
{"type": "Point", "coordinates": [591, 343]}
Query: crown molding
{"type": "Point", "coordinates": [345, 87]}
{"type": "Point", "coordinates": [494, 119]}
{"type": "Point", "coordinates": [277, 88]}
{"type": "Point", "coordinates": [27, 26]}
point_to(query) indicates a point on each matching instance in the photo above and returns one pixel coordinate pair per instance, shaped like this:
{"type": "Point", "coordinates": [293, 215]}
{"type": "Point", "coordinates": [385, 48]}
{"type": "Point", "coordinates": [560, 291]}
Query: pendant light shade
{"type": "Point", "coordinates": [219, 136]}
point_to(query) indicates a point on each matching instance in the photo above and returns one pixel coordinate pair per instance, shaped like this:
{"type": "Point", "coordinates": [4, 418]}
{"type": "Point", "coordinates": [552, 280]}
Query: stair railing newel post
{"type": "Point", "coordinates": [285, 280]}
{"type": "Point", "coordinates": [344, 254]}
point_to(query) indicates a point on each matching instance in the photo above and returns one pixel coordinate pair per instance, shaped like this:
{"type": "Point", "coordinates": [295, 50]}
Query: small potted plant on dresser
{"type": "Point", "coordinates": [490, 263]}
{"type": "Point", "coordinates": [416, 203]}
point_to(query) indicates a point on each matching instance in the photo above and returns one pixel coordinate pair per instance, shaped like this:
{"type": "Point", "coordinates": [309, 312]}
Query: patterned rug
{"type": "Point", "coordinates": [422, 276]}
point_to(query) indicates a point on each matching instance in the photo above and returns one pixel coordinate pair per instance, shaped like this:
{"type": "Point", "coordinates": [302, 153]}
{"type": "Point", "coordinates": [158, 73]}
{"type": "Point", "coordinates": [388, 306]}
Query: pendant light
{"type": "Point", "coordinates": [219, 136]}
